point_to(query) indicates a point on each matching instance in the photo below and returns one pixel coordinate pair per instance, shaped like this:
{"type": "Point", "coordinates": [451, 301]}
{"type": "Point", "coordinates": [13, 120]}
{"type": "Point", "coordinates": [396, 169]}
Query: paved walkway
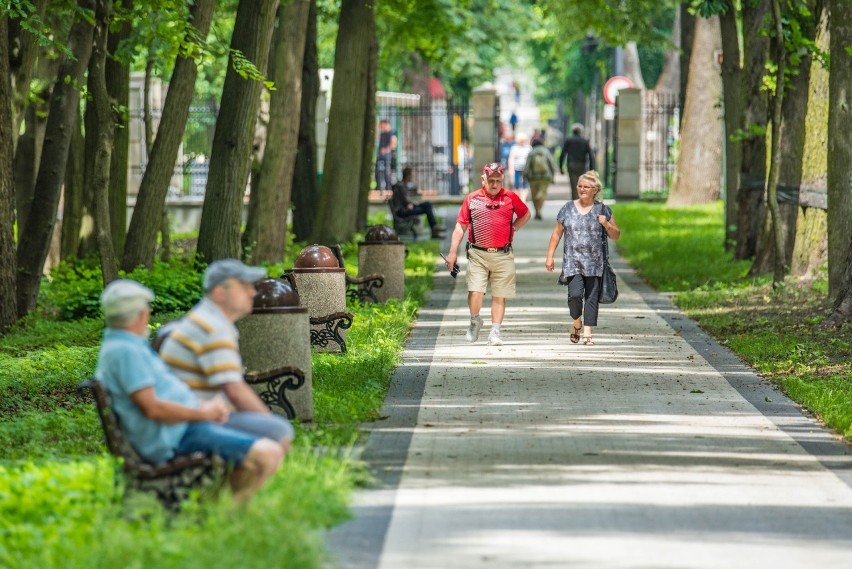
{"type": "Point", "coordinates": [655, 448]}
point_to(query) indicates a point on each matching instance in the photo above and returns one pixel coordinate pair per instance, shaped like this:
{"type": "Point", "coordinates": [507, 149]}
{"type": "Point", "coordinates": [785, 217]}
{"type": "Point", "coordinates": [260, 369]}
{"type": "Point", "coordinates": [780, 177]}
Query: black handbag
{"type": "Point", "coordinates": [609, 286]}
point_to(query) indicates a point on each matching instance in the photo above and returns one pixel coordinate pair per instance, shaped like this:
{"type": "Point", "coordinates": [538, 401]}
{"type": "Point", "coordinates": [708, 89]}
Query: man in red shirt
{"type": "Point", "coordinates": [493, 214]}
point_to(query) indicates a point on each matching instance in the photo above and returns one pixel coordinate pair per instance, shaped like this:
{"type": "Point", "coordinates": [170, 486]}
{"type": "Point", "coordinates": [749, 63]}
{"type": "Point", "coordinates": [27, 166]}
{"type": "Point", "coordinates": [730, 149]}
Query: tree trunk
{"type": "Point", "coordinates": [344, 158]}
{"type": "Point", "coordinates": [141, 244]}
{"type": "Point", "coordinates": [23, 55]}
{"type": "Point", "coordinates": [8, 267]}
{"type": "Point", "coordinates": [732, 82]}
{"type": "Point", "coordinates": [669, 79]}
{"type": "Point", "coordinates": [369, 141]}
{"type": "Point", "coordinates": [699, 164]}
{"type": "Point", "coordinates": [687, 33]}
{"type": "Point", "coordinates": [118, 85]}
{"type": "Point", "coordinates": [105, 127]}
{"type": "Point", "coordinates": [272, 193]}
{"type": "Point", "coordinates": [839, 148]}
{"type": "Point", "coordinates": [72, 196]}
{"type": "Point", "coordinates": [753, 172]}
{"type": "Point", "coordinates": [632, 69]}
{"type": "Point", "coordinates": [809, 252]}
{"type": "Point", "coordinates": [88, 246]}
{"type": "Point", "coordinates": [305, 183]}
{"type": "Point", "coordinates": [842, 312]}
{"type": "Point", "coordinates": [230, 160]}
{"type": "Point", "coordinates": [34, 243]}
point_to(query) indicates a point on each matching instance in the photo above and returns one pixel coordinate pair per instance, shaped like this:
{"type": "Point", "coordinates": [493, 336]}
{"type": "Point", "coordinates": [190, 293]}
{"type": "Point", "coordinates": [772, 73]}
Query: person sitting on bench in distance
{"type": "Point", "coordinates": [159, 414]}
{"type": "Point", "coordinates": [403, 207]}
{"type": "Point", "coordinates": [203, 349]}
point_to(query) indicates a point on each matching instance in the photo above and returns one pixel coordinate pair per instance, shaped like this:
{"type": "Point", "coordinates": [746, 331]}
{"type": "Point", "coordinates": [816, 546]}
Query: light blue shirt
{"type": "Point", "coordinates": [127, 364]}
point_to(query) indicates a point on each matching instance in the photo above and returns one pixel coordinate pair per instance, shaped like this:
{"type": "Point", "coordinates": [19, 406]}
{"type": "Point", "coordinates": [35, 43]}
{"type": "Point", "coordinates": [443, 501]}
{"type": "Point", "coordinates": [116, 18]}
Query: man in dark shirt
{"type": "Point", "coordinates": [403, 207]}
{"type": "Point", "coordinates": [385, 159]}
{"type": "Point", "coordinates": [577, 152]}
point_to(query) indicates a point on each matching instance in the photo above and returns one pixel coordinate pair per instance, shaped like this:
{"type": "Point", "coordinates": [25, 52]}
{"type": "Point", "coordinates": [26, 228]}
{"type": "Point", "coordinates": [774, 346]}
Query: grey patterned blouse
{"type": "Point", "coordinates": [583, 249]}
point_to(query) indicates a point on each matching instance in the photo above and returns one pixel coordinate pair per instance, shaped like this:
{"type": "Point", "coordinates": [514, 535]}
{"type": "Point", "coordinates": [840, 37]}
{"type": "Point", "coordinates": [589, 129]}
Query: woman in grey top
{"type": "Point", "coordinates": [582, 259]}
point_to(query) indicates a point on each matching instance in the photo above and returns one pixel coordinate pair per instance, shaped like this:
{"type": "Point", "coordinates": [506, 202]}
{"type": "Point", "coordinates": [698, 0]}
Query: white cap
{"type": "Point", "coordinates": [124, 296]}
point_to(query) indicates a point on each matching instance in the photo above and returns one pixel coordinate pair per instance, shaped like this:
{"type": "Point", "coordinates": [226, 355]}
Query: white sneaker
{"type": "Point", "coordinates": [474, 328]}
{"type": "Point", "coordinates": [494, 338]}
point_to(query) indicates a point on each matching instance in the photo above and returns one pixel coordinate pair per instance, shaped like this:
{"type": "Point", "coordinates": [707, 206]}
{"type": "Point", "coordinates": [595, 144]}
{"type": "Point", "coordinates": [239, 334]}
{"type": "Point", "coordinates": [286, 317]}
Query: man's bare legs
{"type": "Point", "coordinates": [261, 462]}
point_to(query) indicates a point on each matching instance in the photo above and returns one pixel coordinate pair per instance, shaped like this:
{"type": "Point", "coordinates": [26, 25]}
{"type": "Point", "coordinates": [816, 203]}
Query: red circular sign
{"type": "Point", "coordinates": [613, 86]}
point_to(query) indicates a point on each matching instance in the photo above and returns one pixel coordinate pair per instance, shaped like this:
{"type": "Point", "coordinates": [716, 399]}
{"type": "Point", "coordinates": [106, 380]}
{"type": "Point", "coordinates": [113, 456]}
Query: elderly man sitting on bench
{"type": "Point", "coordinates": [403, 207]}
{"type": "Point", "coordinates": [159, 413]}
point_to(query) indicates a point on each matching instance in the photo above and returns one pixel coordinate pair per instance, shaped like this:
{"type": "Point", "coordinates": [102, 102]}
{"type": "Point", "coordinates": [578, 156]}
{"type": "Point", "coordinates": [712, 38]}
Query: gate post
{"type": "Point", "coordinates": [486, 117]}
{"type": "Point", "coordinates": [628, 144]}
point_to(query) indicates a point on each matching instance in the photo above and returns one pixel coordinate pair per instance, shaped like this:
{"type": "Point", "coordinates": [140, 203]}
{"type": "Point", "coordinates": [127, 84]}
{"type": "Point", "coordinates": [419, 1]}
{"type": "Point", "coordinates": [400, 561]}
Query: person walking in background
{"type": "Point", "coordinates": [513, 121]}
{"type": "Point", "coordinates": [385, 158]}
{"type": "Point", "coordinates": [202, 348]}
{"type": "Point", "coordinates": [517, 161]}
{"type": "Point", "coordinates": [577, 152]}
{"type": "Point", "coordinates": [491, 215]}
{"type": "Point", "coordinates": [403, 207]}
{"type": "Point", "coordinates": [159, 414]}
{"type": "Point", "coordinates": [539, 171]}
{"type": "Point", "coordinates": [580, 221]}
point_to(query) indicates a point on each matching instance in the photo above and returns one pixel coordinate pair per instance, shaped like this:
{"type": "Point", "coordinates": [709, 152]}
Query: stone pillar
{"type": "Point", "coordinates": [383, 253]}
{"type": "Point", "coordinates": [321, 283]}
{"type": "Point", "coordinates": [486, 117]}
{"type": "Point", "coordinates": [628, 143]}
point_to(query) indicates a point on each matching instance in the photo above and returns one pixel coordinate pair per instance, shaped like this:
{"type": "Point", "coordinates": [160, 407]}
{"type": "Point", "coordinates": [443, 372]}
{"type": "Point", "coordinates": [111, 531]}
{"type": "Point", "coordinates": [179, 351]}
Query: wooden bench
{"type": "Point", "coordinates": [172, 481]}
{"type": "Point", "coordinates": [359, 288]}
{"type": "Point", "coordinates": [404, 225]}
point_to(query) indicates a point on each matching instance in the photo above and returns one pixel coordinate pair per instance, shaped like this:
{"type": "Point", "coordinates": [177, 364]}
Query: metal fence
{"type": "Point", "coordinates": [432, 141]}
{"type": "Point", "coordinates": [661, 120]}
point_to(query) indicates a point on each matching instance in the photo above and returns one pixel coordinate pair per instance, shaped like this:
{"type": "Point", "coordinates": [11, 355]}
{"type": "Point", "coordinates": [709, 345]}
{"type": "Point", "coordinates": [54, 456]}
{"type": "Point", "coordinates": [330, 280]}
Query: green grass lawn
{"type": "Point", "coordinates": [61, 501]}
{"type": "Point", "coordinates": [777, 332]}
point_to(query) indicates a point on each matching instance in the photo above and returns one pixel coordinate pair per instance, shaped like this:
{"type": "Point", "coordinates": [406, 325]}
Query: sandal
{"type": "Point", "coordinates": [575, 334]}
{"type": "Point", "coordinates": [587, 340]}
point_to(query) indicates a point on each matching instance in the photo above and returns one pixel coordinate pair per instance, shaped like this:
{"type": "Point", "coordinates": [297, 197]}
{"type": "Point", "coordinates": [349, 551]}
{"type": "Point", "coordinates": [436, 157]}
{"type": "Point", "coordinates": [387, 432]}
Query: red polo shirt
{"type": "Point", "coordinates": [490, 219]}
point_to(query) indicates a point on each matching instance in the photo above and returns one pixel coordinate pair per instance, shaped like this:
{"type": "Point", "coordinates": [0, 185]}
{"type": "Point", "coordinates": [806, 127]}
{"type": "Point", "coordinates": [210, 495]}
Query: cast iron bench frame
{"type": "Point", "coordinates": [359, 288]}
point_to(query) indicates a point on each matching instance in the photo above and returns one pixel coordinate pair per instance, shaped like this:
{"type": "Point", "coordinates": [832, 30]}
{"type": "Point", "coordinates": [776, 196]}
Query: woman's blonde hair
{"type": "Point", "coordinates": [593, 177]}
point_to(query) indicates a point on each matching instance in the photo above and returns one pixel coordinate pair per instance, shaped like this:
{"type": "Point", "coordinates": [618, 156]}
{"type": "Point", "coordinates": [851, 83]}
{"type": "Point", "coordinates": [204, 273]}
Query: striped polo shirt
{"type": "Point", "coordinates": [491, 219]}
{"type": "Point", "coordinates": [203, 350]}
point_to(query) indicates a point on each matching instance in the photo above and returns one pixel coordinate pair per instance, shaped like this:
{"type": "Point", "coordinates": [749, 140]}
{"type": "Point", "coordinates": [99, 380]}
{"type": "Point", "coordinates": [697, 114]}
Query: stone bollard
{"type": "Point", "coordinates": [383, 253]}
{"type": "Point", "coordinates": [321, 283]}
{"type": "Point", "coordinates": [276, 348]}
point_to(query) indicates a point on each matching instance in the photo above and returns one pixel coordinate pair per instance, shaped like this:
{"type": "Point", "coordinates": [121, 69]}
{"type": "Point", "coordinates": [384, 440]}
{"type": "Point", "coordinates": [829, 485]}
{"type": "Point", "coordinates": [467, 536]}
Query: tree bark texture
{"type": "Point", "coordinates": [104, 121]}
{"type": "Point", "coordinates": [753, 173]}
{"type": "Point", "coordinates": [699, 164]}
{"type": "Point", "coordinates": [34, 243]}
{"type": "Point", "coordinates": [72, 196]}
{"type": "Point", "coordinates": [8, 265]}
{"type": "Point", "coordinates": [230, 160]}
{"type": "Point", "coordinates": [669, 79]}
{"type": "Point", "coordinates": [344, 161]}
{"type": "Point", "coordinates": [842, 312]}
{"type": "Point", "coordinates": [369, 142]}
{"type": "Point", "coordinates": [141, 242]}
{"type": "Point", "coordinates": [273, 191]}
{"type": "Point", "coordinates": [687, 31]}
{"type": "Point", "coordinates": [23, 55]}
{"type": "Point", "coordinates": [732, 82]}
{"type": "Point", "coordinates": [632, 69]}
{"type": "Point", "coordinates": [118, 85]}
{"type": "Point", "coordinates": [305, 182]}
{"type": "Point", "coordinates": [791, 149]}
{"type": "Point", "coordinates": [839, 147]}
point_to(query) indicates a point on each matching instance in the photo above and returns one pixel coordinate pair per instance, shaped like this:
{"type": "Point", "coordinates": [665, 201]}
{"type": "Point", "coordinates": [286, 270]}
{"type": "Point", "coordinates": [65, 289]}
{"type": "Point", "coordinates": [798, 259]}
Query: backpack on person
{"type": "Point", "coordinates": [539, 168]}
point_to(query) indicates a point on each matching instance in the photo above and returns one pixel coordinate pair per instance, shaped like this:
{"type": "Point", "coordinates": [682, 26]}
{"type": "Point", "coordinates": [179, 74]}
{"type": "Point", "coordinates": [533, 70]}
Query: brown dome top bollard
{"type": "Point", "coordinates": [321, 283]}
{"type": "Point", "coordinates": [383, 253]}
{"type": "Point", "coordinates": [276, 348]}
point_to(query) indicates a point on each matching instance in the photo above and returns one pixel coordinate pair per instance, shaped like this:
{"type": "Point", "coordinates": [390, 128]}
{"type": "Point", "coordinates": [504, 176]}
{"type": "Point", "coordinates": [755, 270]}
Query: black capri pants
{"type": "Point", "coordinates": [583, 295]}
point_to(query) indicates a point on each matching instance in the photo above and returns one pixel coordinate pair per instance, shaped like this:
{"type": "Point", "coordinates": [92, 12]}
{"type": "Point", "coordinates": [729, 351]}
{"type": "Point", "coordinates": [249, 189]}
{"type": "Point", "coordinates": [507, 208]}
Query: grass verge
{"type": "Point", "coordinates": [777, 332]}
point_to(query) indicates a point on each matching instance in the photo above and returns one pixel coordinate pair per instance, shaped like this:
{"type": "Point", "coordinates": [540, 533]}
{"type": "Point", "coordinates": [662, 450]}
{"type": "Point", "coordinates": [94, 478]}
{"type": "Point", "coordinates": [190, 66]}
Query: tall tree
{"type": "Point", "coordinates": [344, 158]}
{"type": "Point", "coordinates": [305, 182]}
{"type": "Point", "coordinates": [266, 229]}
{"type": "Point", "coordinates": [23, 55]}
{"type": "Point", "coordinates": [34, 243]}
{"type": "Point", "coordinates": [840, 152]}
{"type": "Point", "coordinates": [104, 121]}
{"type": "Point", "coordinates": [230, 159]}
{"type": "Point", "coordinates": [369, 142]}
{"type": "Point", "coordinates": [732, 83]}
{"type": "Point", "coordinates": [699, 163]}
{"type": "Point", "coordinates": [8, 308]}
{"type": "Point", "coordinates": [141, 243]}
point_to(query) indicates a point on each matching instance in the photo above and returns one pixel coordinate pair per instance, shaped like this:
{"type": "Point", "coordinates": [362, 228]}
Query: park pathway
{"type": "Point", "coordinates": [655, 448]}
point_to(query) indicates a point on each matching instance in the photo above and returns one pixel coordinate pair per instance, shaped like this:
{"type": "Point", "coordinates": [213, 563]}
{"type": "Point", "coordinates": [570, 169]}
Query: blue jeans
{"type": "Point", "coordinates": [267, 425]}
{"type": "Point", "coordinates": [212, 438]}
{"type": "Point", "coordinates": [420, 209]}
{"type": "Point", "coordinates": [520, 183]}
